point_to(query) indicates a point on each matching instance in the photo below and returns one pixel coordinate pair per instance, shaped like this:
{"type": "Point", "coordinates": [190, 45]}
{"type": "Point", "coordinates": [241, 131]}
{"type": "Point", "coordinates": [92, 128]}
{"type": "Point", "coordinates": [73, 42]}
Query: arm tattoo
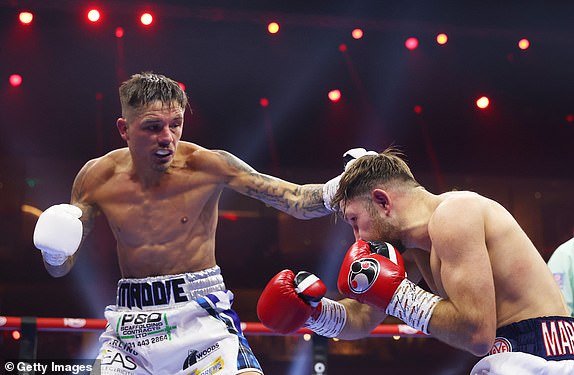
{"type": "Point", "coordinates": [304, 201]}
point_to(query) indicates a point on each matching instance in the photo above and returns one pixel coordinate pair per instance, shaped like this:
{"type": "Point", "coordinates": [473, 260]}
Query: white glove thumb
{"type": "Point", "coordinates": [353, 154]}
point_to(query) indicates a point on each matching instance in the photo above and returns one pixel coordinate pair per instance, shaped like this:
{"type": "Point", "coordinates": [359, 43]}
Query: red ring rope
{"type": "Point", "coordinates": [249, 328]}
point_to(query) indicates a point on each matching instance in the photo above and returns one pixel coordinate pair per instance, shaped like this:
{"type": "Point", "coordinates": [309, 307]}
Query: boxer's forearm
{"type": "Point", "coordinates": [362, 319]}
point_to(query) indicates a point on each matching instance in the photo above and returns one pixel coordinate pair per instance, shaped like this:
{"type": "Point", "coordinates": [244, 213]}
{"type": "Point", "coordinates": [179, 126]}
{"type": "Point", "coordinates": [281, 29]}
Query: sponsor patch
{"type": "Point", "coordinates": [144, 325]}
{"type": "Point", "coordinates": [195, 356]}
{"type": "Point", "coordinates": [213, 368]}
{"type": "Point", "coordinates": [501, 345]}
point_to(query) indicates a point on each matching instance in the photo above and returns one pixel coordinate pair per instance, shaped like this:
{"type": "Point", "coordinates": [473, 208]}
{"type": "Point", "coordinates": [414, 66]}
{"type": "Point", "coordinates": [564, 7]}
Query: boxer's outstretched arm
{"type": "Point", "coordinates": [301, 201]}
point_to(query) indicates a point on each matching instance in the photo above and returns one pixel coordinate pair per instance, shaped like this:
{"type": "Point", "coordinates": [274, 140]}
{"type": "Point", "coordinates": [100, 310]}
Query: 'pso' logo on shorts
{"type": "Point", "coordinates": [501, 345]}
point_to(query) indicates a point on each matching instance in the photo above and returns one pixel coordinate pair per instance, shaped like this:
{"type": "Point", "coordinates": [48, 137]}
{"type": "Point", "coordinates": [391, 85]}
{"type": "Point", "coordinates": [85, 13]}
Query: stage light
{"type": "Point", "coordinates": [418, 109]}
{"type": "Point", "coordinates": [264, 102]}
{"type": "Point", "coordinates": [334, 95]}
{"type": "Point", "coordinates": [483, 102]}
{"type": "Point", "coordinates": [441, 39]}
{"type": "Point", "coordinates": [25, 18]}
{"type": "Point", "coordinates": [146, 19]}
{"type": "Point", "coordinates": [523, 44]}
{"type": "Point", "coordinates": [412, 43]}
{"type": "Point", "coordinates": [119, 32]}
{"type": "Point", "coordinates": [570, 118]}
{"type": "Point", "coordinates": [357, 34]}
{"type": "Point", "coordinates": [15, 80]}
{"type": "Point", "coordinates": [35, 211]}
{"type": "Point", "coordinates": [94, 15]}
{"type": "Point", "coordinates": [273, 27]}
{"type": "Point", "coordinates": [230, 216]}
{"type": "Point", "coordinates": [342, 47]}
{"type": "Point", "coordinates": [16, 335]}
{"type": "Point", "coordinates": [181, 85]}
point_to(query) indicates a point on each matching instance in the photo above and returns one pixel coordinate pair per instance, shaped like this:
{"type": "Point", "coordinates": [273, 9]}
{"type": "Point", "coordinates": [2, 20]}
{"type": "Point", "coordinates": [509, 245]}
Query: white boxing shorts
{"type": "Point", "coordinates": [174, 325]}
{"type": "Point", "coordinates": [539, 346]}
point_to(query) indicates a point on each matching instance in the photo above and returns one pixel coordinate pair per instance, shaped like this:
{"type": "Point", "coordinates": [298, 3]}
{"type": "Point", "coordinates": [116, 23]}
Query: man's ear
{"type": "Point", "coordinates": [381, 199]}
{"type": "Point", "coordinates": [122, 125]}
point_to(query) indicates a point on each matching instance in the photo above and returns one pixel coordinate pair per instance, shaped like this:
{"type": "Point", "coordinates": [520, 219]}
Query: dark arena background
{"type": "Point", "coordinates": [478, 95]}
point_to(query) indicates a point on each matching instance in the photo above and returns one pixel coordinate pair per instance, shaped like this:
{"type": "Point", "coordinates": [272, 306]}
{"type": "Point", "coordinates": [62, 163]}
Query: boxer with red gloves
{"type": "Point", "coordinates": [373, 273]}
{"type": "Point", "coordinates": [292, 301]}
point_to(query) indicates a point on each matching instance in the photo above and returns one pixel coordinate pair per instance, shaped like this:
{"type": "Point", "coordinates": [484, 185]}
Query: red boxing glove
{"type": "Point", "coordinates": [371, 273]}
{"type": "Point", "coordinates": [289, 300]}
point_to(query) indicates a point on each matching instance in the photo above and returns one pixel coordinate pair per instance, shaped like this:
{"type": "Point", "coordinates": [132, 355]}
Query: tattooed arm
{"type": "Point", "coordinates": [300, 201]}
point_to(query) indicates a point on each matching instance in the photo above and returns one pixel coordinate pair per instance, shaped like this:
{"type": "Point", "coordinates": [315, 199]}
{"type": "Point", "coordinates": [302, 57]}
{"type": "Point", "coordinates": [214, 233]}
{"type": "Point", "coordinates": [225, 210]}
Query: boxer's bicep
{"type": "Point", "coordinates": [81, 190]}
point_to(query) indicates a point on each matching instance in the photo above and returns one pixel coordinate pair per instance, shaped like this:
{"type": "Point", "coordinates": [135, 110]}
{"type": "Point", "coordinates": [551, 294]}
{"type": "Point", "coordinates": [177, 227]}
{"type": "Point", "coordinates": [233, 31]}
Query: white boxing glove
{"type": "Point", "coordinates": [330, 187]}
{"type": "Point", "coordinates": [58, 233]}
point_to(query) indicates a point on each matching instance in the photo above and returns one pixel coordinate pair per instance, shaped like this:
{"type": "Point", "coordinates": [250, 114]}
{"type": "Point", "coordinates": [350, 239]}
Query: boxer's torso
{"type": "Point", "coordinates": [166, 228]}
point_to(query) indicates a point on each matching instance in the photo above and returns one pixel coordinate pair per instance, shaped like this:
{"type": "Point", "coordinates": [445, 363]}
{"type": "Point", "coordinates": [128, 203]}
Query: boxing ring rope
{"type": "Point", "coordinates": [249, 328]}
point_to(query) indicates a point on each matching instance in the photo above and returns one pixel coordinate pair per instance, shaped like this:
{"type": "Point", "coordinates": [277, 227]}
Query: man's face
{"type": "Point", "coordinates": [368, 222]}
{"type": "Point", "coordinates": [152, 134]}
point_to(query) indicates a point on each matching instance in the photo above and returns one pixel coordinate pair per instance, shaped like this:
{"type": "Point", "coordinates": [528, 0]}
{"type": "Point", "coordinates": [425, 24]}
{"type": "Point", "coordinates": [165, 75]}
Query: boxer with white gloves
{"type": "Point", "coordinates": [292, 301]}
{"type": "Point", "coordinates": [160, 196]}
{"type": "Point", "coordinates": [58, 233]}
{"type": "Point", "coordinates": [330, 187]}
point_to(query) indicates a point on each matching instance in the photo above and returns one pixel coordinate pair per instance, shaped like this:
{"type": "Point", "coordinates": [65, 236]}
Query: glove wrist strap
{"type": "Point", "coordinates": [330, 320]}
{"type": "Point", "coordinates": [54, 259]}
{"type": "Point", "coordinates": [329, 190]}
{"type": "Point", "coordinates": [413, 305]}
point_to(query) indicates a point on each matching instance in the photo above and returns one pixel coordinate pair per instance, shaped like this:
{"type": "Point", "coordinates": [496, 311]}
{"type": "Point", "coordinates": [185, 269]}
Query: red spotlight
{"type": "Point", "coordinates": [418, 109]}
{"type": "Point", "coordinates": [16, 335]}
{"type": "Point", "coordinates": [483, 102]}
{"type": "Point", "coordinates": [412, 43]}
{"type": "Point", "coordinates": [120, 32]}
{"type": "Point", "coordinates": [181, 85]}
{"type": "Point", "coordinates": [25, 18]}
{"type": "Point", "coordinates": [273, 27]}
{"type": "Point", "coordinates": [264, 102]}
{"type": "Point", "coordinates": [334, 95]}
{"type": "Point", "coordinates": [146, 18]}
{"type": "Point", "coordinates": [441, 39]}
{"type": "Point", "coordinates": [94, 15]}
{"type": "Point", "coordinates": [357, 34]}
{"type": "Point", "coordinates": [15, 80]}
{"type": "Point", "coordinates": [230, 216]}
{"type": "Point", "coordinates": [523, 44]}
{"type": "Point", "coordinates": [342, 47]}
{"type": "Point", "coordinates": [570, 118]}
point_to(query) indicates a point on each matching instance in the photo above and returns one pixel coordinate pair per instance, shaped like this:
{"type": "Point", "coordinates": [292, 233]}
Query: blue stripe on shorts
{"type": "Point", "coordinates": [245, 357]}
